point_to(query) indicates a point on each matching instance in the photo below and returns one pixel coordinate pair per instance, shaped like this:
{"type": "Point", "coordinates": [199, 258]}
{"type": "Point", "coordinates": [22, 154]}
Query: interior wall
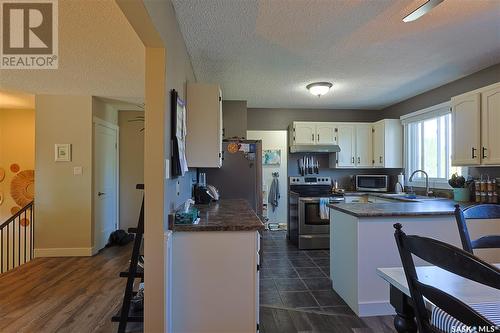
{"type": "Point", "coordinates": [17, 146]}
{"type": "Point", "coordinates": [131, 167]}
{"type": "Point", "coordinates": [104, 111]}
{"type": "Point", "coordinates": [234, 119]}
{"type": "Point", "coordinates": [279, 119]}
{"type": "Point", "coordinates": [274, 140]}
{"type": "Point", "coordinates": [179, 71]}
{"type": "Point", "coordinates": [444, 93]}
{"type": "Point", "coordinates": [63, 200]}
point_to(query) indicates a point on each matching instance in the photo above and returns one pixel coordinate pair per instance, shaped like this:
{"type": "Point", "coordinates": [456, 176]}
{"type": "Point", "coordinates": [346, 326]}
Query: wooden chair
{"type": "Point", "coordinates": [452, 259]}
{"type": "Point", "coordinates": [479, 212]}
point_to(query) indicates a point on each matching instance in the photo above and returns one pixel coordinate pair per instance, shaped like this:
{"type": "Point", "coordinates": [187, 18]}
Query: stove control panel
{"type": "Point", "coordinates": [310, 180]}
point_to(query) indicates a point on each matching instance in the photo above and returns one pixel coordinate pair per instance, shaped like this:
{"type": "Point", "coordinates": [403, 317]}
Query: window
{"type": "Point", "coordinates": [428, 146]}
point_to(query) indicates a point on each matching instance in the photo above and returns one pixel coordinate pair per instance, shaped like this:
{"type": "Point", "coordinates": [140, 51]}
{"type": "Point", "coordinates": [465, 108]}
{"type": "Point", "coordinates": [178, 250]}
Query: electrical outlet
{"type": "Point", "coordinates": [178, 188]}
{"type": "Point", "coordinates": [77, 171]}
{"type": "Point", "coordinates": [167, 168]}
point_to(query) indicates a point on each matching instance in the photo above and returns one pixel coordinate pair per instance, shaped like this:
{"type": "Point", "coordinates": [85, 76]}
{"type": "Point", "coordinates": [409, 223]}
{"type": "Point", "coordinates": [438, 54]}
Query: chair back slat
{"type": "Point", "coordinates": [479, 212]}
{"type": "Point", "coordinates": [451, 305]}
{"type": "Point", "coordinates": [454, 260]}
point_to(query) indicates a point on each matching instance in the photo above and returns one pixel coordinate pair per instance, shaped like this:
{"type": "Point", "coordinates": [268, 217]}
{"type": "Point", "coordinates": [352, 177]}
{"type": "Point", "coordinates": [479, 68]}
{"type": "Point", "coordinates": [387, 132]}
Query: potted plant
{"type": "Point", "coordinates": [461, 191]}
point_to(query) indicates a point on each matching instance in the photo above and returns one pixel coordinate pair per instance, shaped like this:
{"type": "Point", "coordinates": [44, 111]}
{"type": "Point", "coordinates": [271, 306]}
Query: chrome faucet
{"type": "Point", "coordinates": [427, 190]}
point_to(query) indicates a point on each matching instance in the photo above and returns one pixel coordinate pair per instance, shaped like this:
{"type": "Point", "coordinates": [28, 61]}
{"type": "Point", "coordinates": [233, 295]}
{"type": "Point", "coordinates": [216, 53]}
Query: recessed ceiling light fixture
{"type": "Point", "coordinates": [319, 88]}
{"type": "Point", "coordinates": [422, 10]}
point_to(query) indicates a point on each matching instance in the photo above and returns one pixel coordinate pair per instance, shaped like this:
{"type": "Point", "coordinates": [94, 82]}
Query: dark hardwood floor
{"type": "Point", "coordinates": [296, 295]}
{"type": "Point", "coordinates": [65, 294]}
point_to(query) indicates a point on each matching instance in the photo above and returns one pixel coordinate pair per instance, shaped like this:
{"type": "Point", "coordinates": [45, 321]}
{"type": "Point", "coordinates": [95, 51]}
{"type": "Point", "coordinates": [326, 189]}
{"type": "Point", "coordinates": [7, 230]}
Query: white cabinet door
{"type": "Point", "coordinates": [364, 150]}
{"type": "Point", "coordinates": [379, 144]}
{"type": "Point", "coordinates": [347, 143]}
{"type": "Point", "coordinates": [466, 129]}
{"type": "Point", "coordinates": [325, 134]}
{"type": "Point", "coordinates": [490, 126]}
{"type": "Point", "coordinates": [304, 133]}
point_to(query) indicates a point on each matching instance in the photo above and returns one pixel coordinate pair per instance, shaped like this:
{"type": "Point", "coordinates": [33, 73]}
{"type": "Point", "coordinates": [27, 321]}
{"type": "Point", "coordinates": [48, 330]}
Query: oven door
{"type": "Point", "coordinates": [310, 221]}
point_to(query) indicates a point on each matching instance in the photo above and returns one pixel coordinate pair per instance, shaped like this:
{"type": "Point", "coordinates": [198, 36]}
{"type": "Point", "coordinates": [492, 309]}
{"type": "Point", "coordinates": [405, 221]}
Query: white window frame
{"type": "Point", "coordinates": [424, 114]}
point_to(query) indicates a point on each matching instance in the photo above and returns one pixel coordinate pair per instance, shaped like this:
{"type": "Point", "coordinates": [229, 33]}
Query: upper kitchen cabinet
{"type": "Point", "coordinates": [490, 126]}
{"type": "Point", "coordinates": [303, 133]}
{"type": "Point", "coordinates": [347, 143]}
{"type": "Point", "coordinates": [204, 126]}
{"type": "Point", "coordinates": [476, 127]}
{"type": "Point", "coordinates": [312, 133]}
{"type": "Point", "coordinates": [364, 148]}
{"type": "Point", "coordinates": [466, 127]}
{"type": "Point", "coordinates": [387, 144]}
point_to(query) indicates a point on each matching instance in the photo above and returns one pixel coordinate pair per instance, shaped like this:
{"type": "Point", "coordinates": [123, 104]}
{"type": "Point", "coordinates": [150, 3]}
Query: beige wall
{"type": "Point", "coordinates": [104, 111]}
{"type": "Point", "coordinates": [131, 167]}
{"type": "Point", "coordinates": [17, 145]}
{"type": "Point", "coordinates": [63, 201]}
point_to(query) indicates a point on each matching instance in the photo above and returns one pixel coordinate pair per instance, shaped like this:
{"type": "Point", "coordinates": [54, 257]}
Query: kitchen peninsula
{"type": "Point", "coordinates": [362, 240]}
{"type": "Point", "coordinates": [214, 270]}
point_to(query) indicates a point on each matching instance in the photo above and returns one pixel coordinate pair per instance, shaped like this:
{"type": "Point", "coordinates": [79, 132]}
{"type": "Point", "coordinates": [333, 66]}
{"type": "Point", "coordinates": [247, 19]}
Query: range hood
{"type": "Point", "coordinates": [314, 149]}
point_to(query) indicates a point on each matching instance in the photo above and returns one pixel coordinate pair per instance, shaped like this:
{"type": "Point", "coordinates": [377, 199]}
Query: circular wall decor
{"type": "Point", "coordinates": [2, 174]}
{"type": "Point", "coordinates": [22, 187]}
{"type": "Point", "coordinates": [14, 210]}
{"type": "Point", "coordinates": [14, 167]}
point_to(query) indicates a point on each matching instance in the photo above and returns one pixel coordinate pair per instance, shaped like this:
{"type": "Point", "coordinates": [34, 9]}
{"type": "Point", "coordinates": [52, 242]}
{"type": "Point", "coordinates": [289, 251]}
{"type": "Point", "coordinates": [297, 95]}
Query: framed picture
{"type": "Point", "coordinates": [271, 157]}
{"type": "Point", "coordinates": [63, 152]}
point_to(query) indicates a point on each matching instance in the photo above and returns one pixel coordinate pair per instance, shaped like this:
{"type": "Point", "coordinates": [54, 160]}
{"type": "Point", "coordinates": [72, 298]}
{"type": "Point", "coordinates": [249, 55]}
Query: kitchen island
{"type": "Point", "coordinates": [362, 240]}
{"type": "Point", "coordinates": [214, 270]}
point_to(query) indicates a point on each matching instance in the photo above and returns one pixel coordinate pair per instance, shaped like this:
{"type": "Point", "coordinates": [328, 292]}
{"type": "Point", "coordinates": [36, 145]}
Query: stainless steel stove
{"type": "Point", "coordinates": [307, 228]}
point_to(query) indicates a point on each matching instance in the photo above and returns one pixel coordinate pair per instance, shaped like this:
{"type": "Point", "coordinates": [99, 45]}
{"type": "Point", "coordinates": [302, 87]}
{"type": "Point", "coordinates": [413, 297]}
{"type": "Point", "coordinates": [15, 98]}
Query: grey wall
{"type": "Point", "coordinates": [234, 118]}
{"type": "Point", "coordinates": [279, 119]}
{"type": "Point", "coordinates": [179, 72]}
{"type": "Point", "coordinates": [443, 93]}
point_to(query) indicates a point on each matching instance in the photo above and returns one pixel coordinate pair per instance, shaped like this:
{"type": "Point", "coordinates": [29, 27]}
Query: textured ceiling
{"type": "Point", "coordinates": [267, 51]}
{"type": "Point", "coordinates": [99, 54]}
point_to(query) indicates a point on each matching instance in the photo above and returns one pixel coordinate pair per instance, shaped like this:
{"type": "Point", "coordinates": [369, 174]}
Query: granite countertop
{"type": "Point", "coordinates": [399, 208]}
{"type": "Point", "coordinates": [224, 215]}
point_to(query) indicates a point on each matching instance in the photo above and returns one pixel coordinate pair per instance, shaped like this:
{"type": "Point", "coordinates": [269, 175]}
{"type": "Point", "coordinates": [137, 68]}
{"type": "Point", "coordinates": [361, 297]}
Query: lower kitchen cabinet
{"type": "Point", "coordinates": [215, 281]}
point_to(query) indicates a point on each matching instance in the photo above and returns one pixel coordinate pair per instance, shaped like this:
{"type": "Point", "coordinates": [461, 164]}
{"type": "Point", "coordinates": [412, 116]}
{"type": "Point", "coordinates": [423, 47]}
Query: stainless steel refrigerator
{"type": "Point", "coordinates": [240, 176]}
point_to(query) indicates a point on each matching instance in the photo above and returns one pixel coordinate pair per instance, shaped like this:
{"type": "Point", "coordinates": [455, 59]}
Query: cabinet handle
{"type": "Point", "coordinates": [474, 152]}
{"type": "Point", "coordinates": [353, 160]}
{"type": "Point", "coordinates": [312, 137]}
{"type": "Point", "coordinates": [380, 159]}
{"type": "Point", "coordinates": [318, 137]}
{"type": "Point", "coordinates": [359, 159]}
{"type": "Point", "coordinates": [484, 152]}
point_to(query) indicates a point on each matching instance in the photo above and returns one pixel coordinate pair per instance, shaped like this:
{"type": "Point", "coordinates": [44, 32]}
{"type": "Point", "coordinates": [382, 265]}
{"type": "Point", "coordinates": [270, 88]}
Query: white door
{"type": "Point", "coordinates": [325, 134]}
{"type": "Point", "coordinates": [346, 141]}
{"type": "Point", "coordinates": [490, 126]}
{"type": "Point", "coordinates": [364, 152]}
{"type": "Point", "coordinates": [304, 133]}
{"type": "Point", "coordinates": [465, 113]}
{"type": "Point", "coordinates": [105, 183]}
{"type": "Point", "coordinates": [379, 144]}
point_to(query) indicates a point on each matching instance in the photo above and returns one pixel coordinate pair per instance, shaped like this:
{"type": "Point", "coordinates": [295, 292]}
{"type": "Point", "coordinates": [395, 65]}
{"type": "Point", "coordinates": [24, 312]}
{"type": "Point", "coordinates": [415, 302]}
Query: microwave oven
{"type": "Point", "coordinates": [372, 183]}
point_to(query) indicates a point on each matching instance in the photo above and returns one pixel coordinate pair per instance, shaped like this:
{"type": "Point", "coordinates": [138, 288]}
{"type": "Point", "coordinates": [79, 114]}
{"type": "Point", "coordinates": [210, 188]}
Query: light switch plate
{"type": "Point", "coordinates": [77, 171]}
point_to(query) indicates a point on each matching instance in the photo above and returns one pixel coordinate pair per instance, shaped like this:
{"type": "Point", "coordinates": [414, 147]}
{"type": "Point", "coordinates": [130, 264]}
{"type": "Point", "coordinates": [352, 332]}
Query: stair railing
{"type": "Point", "coordinates": [17, 238]}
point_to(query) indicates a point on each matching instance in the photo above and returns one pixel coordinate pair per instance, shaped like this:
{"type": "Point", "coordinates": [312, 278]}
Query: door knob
{"type": "Point", "coordinates": [100, 193]}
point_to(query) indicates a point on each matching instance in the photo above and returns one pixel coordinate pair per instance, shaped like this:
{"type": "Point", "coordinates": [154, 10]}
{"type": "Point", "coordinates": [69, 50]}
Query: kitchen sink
{"type": "Point", "coordinates": [410, 197]}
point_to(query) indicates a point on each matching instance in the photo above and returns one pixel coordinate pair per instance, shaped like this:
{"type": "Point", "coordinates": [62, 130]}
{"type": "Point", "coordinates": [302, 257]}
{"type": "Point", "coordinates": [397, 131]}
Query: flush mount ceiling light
{"type": "Point", "coordinates": [422, 10]}
{"type": "Point", "coordinates": [319, 88]}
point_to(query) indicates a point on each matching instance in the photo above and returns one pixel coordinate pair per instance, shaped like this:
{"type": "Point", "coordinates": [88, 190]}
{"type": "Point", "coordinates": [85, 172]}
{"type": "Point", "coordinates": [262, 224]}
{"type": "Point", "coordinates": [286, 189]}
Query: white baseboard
{"type": "Point", "coordinates": [369, 309]}
{"type": "Point", "coordinates": [64, 252]}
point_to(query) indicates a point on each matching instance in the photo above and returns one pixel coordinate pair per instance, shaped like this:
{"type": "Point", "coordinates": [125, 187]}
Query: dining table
{"type": "Point", "coordinates": [482, 298]}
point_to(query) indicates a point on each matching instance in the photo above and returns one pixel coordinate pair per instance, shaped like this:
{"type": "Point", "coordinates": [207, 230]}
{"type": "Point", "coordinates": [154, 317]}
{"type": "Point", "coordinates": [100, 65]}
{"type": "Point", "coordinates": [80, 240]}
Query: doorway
{"type": "Point", "coordinates": [105, 189]}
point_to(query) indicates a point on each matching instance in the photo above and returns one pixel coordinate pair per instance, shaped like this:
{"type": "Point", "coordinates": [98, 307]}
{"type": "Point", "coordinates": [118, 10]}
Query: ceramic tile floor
{"type": "Point", "coordinates": [296, 293]}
